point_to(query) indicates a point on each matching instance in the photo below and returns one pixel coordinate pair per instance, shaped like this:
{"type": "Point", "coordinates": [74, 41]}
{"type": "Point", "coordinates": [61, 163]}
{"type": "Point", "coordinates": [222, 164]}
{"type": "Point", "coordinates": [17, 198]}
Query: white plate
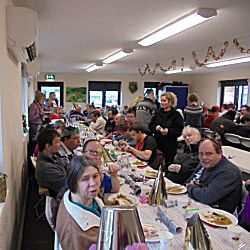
{"type": "Point", "coordinates": [156, 227]}
{"type": "Point", "coordinates": [218, 211]}
{"type": "Point", "coordinates": [131, 197]}
{"type": "Point", "coordinates": [182, 191]}
{"type": "Point", "coordinates": [122, 180]}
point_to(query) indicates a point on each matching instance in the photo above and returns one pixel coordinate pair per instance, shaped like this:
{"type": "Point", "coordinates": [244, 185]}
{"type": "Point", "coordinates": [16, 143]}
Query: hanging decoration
{"type": "Point", "coordinates": [210, 53]}
{"type": "Point", "coordinates": [132, 87]}
{"type": "Point", "coordinates": [241, 49]}
{"type": "Point", "coordinates": [157, 65]}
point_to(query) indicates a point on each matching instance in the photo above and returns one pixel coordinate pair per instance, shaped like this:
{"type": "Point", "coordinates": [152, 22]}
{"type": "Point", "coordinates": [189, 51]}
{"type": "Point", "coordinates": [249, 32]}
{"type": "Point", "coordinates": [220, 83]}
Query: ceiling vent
{"type": "Point", "coordinates": [22, 30]}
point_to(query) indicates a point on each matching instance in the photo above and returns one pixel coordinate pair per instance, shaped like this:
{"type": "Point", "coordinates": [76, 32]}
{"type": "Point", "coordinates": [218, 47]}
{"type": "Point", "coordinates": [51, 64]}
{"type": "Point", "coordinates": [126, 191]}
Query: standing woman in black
{"type": "Point", "coordinates": [167, 125]}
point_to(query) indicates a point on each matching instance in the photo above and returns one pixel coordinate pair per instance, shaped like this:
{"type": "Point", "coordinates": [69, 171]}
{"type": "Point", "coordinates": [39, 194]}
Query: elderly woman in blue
{"type": "Point", "coordinates": [78, 217]}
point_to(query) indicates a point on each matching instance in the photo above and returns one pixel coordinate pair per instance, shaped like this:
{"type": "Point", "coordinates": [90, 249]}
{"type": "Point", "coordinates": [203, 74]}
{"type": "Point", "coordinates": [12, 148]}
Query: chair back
{"type": "Point", "coordinates": [159, 161]}
{"type": "Point", "coordinates": [209, 133]}
{"type": "Point", "coordinates": [233, 138]}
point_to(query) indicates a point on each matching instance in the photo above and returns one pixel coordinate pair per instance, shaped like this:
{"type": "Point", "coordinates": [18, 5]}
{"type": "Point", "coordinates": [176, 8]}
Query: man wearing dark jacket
{"type": "Point", "coordinates": [216, 181]}
{"type": "Point", "coordinates": [50, 170]}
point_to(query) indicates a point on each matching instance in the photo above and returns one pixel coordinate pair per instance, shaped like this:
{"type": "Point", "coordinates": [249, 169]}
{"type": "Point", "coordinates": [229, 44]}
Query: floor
{"type": "Point", "coordinates": [37, 234]}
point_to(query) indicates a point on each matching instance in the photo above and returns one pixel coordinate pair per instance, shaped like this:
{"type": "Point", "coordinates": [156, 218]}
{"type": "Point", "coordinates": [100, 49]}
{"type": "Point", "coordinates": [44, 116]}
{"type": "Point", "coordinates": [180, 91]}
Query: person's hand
{"type": "Point", "coordinates": [247, 182]}
{"type": "Point", "coordinates": [158, 128]}
{"type": "Point", "coordinates": [164, 131]}
{"type": "Point", "coordinates": [128, 148]}
{"type": "Point", "coordinates": [174, 168]}
{"type": "Point", "coordinates": [123, 144]}
{"type": "Point", "coordinates": [113, 169]}
{"type": "Point", "coordinates": [191, 183]}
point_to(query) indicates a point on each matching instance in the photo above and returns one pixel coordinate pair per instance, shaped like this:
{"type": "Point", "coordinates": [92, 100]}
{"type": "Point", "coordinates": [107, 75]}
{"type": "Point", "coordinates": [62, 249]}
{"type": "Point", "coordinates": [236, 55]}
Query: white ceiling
{"type": "Point", "coordinates": [76, 33]}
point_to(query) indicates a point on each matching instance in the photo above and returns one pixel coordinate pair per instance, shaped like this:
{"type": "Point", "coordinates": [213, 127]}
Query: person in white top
{"type": "Point", "coordinates": [98, 122]}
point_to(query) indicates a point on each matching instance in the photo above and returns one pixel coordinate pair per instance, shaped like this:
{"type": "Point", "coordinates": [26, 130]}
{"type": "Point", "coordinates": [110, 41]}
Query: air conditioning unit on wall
{"type": "Point", "coordinates": [22, 31]}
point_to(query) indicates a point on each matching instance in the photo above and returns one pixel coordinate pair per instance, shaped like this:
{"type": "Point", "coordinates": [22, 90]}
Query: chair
{"type": "Point", "coordinates": [159, 161]}
{"type": "Point", "coordinates": [43, 192]}
{"type": "Point", "coordinates": [245, 141]}
{"type": "Point", "coordinates": [209, 133]}
{"type": "Point", "coordinates": [233, 138]}
{"type": "Point", "coordinates": [48, 211]}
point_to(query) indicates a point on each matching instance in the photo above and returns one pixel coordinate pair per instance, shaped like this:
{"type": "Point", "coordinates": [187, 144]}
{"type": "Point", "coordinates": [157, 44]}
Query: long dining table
{"type": "Point", "coordinates": [219, 236]}
{"type": "Point", "coordinates": [238, 156]}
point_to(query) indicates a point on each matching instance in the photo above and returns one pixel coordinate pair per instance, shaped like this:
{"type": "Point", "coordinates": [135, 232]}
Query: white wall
{"type": "Point", "coordinates": [81, 80]}
{"type": "Point", "coordinates": [14, 146]}
{"type": "Point", "coordinates": [206, 85]}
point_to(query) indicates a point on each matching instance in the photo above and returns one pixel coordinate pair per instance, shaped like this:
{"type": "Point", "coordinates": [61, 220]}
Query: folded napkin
{"type": "Point", "coordinates": [168, 222]}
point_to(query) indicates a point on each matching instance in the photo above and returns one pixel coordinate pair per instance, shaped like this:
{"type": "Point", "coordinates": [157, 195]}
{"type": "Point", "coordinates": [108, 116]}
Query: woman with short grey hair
{"type": "Point", "coordinates": [185, 164]}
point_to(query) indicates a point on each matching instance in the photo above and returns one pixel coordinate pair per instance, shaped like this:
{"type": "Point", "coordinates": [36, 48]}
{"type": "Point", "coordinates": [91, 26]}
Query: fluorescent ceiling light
{"type": "Point", "coordinates": [88, 66]}
{"type": "Point", "coordinates": [94, 67]}
{"type": "Point", "coordinates": [177, 71]}
{"type": "Point", "coordinates": [118, 55]}
{"type": "Point", "coordinates": [229, 62]}
{"type": "Point", "coordinates": [196, 17]}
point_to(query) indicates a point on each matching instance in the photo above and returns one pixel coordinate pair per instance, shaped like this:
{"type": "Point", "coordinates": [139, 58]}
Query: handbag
{"type": "Point", "coordinates": [3, 187]}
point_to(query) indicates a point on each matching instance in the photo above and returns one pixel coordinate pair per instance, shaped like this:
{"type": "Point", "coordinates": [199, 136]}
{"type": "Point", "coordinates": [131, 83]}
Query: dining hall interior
{"type": "Point", "coordinates": [66, 47]}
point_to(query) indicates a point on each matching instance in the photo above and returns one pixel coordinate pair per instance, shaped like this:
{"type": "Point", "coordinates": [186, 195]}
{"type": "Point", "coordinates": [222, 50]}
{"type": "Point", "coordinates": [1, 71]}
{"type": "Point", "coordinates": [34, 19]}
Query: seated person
{"type": "Point", "coordinates": [50, 170]}
{"type": "Point", "coordinates": [77, 113]}
{"type": "Point", "coordinates": [59, 126]}
{"type": "Point", "coordinates": [185, 164]}
{"type": "Point", "coordinates": [97, 122]}
{"type": "Point", "coordinates": [78, 217]}
{"type": "Point", "coordinates": [216, 181]}
{"type": "Point", "coordinates": [245, 215]}
{"type": "Point", "coordinates": [70, 141]}
{"type": "Point", "coordinates": [109, 183]}
{"type": "Point", "coordinates": [56, 113]}
{"type": "Point", "coordinates": [110, 124]}
{"type": "Point", "coordinates": [121, 126]}
{"type": "Point", "coordinates": [146, 147]}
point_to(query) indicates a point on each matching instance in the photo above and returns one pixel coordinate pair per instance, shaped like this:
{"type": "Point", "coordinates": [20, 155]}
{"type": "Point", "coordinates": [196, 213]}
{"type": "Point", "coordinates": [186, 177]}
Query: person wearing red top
{"type": "Point", "coordinates": [213, 114]}
{"type": "Point", "coordinates": [146, 147]}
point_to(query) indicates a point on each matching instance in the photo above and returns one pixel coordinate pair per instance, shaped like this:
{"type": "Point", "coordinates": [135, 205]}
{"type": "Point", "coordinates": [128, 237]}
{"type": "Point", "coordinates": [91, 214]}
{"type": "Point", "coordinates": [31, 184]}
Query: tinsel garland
{"type": "Point", "coordinates": [241, 49]}
{"type": "Point", "coordinates": [210, 53]}
{"type": "Point", "coordinates": [157, 65]}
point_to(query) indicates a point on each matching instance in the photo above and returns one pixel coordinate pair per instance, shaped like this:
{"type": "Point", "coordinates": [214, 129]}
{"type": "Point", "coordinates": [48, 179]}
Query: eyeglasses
{"type": "Point", "coordinates": [93, 152]}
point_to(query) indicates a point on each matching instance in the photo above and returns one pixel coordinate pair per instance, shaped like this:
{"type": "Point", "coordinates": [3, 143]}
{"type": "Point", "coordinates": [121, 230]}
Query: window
{"type": "Point", "coordinates": [47, 87]}
{"type": "Point", "coordinates": [234, 91]}
{"type": "Point", "coordinates": [104, 93]}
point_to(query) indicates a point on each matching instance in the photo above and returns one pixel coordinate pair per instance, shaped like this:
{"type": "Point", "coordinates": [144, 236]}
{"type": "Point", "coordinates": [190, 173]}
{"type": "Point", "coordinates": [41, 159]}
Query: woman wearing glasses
{"type": "Point", "coordinates": [109, 183]}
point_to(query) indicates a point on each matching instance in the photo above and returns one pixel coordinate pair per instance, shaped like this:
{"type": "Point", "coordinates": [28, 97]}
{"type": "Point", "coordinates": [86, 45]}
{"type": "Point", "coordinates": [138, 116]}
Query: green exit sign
{"type": "Point", "coordinates": [50, 77]}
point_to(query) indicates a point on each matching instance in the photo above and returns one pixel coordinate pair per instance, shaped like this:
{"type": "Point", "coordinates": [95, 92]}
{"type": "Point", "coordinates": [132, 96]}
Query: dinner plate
{"type": "Point", "coordinates": [176, 189]}
{"type": "Point", "coordinates": [139, 163]}
{"type": "Point", "coordinates": [203, 215]}
{"type": "Point", "coordinates": [132, 198]}
{"type": "Point", "coordinates": [152, 229]}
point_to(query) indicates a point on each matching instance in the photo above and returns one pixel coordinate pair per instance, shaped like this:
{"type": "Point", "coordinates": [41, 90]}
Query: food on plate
{"type": "Point", "coordinates": [175, 189]}
{"type": "Point", "coordinates": [151, 174]}
{"type": "Point", "coordinates": [122, 200]}
{"type": "Point", "coordinates": [139, 163]}
{"type": "Point", "coordinates": [216, 218]}
{"type": "Point", "coordinates": [151, 232]}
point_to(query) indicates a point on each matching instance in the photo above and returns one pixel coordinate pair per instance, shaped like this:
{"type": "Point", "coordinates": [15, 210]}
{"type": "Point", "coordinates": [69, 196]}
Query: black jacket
{"type": "Point", "coordinates": [189, 160]}
{"type": "Point", "coordinates": [174, 122]}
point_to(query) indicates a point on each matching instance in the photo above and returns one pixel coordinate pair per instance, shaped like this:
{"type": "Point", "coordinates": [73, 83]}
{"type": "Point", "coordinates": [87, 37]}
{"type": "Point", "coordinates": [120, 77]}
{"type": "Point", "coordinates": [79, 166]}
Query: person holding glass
{"type": "Point", "coordinates": [110, 182]}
